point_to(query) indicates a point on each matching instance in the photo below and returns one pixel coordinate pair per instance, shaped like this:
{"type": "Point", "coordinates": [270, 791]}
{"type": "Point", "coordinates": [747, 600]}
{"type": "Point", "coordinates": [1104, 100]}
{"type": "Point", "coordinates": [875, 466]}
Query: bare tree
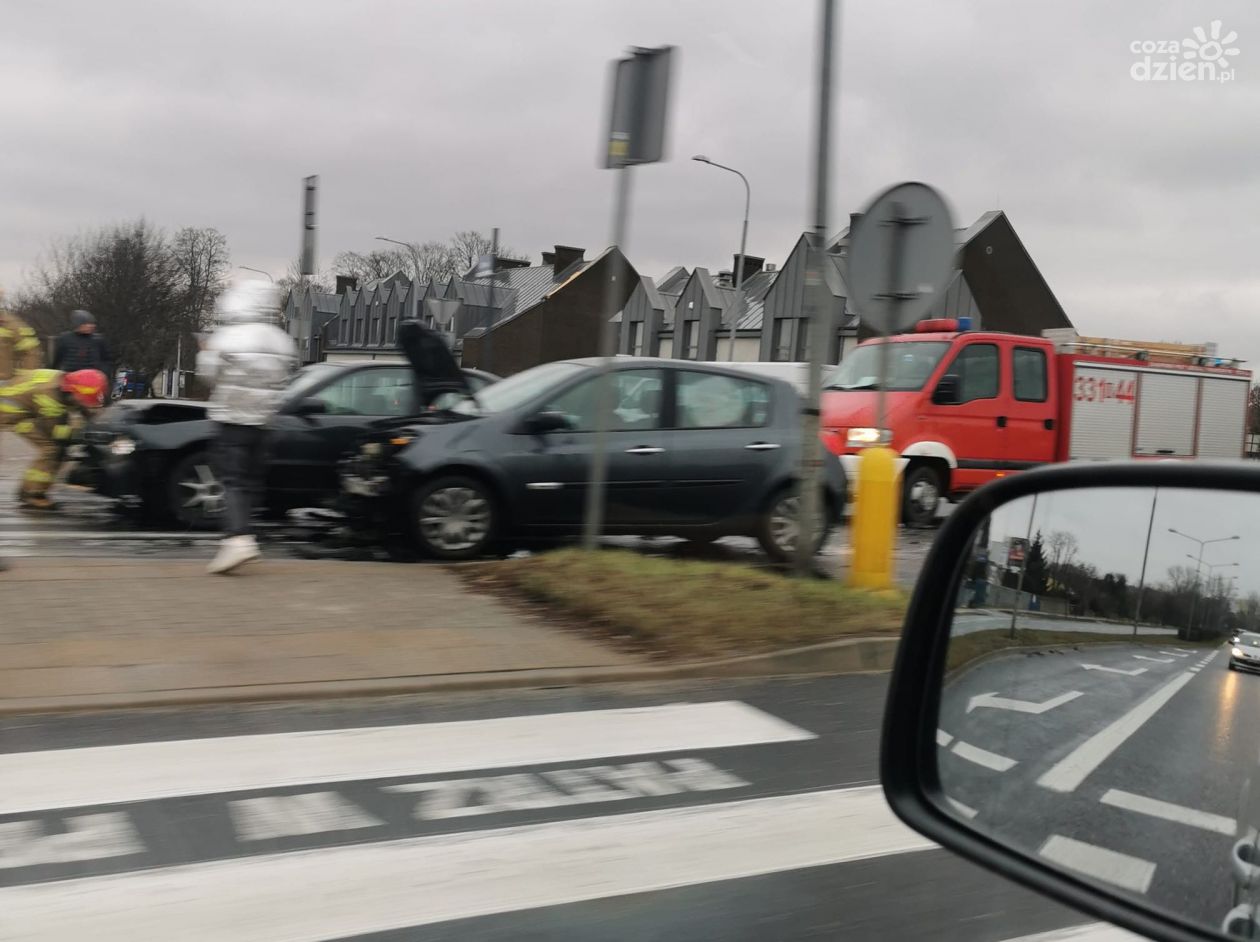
{"type": "Point", "coordinates": [202, 258]}
{"type": "Point", "coordinates": [320, 281]}
{"type": "Point", "coordinates": [1063, 547]}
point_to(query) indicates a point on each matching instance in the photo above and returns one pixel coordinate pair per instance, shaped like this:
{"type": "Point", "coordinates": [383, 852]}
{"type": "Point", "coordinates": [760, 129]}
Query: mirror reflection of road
{"type": "Point", "coordinates": [1124, 762]}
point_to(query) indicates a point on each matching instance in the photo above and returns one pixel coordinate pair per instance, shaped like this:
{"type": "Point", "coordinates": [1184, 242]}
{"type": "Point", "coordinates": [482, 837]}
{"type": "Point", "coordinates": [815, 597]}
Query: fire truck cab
{"type": "Point", "coordinates": [965, 407]}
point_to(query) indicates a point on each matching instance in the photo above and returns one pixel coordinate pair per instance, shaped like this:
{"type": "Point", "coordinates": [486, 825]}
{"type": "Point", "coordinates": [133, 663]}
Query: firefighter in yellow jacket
{"type": "Point", "coordinates": [19, 346]}
{"type": "Point", "coordinates": [45, 407]}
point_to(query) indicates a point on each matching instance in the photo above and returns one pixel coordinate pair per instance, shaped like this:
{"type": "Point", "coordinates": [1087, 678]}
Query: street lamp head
{"type": "Point", "coordinates": [703, 159]}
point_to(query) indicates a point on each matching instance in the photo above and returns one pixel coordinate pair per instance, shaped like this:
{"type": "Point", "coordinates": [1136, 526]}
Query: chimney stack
{"type": "Point", "coordinates": [752, 265]}
{"type": "Point", "coordinates": [562, 258]}
{"type": "Point", "coordinates": [346, 283]}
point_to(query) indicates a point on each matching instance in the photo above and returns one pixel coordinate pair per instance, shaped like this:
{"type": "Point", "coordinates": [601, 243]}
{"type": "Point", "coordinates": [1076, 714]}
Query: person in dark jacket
{"type": "Point", "coordinates": [82, 348]}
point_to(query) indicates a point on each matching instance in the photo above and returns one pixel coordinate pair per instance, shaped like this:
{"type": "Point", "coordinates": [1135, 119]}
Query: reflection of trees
{"type": "Point", "coordinates": [1054, 573]}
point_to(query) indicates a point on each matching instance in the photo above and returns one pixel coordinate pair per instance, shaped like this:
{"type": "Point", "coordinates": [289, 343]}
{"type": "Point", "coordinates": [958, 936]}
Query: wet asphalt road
{"type": "Point", "coordinates": [680, 811]}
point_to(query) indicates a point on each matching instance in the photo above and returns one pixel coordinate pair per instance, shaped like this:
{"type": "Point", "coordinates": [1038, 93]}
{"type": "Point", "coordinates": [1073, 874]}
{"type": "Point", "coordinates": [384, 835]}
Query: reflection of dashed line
{"type": "Point", "coordinates": [990, 760]}
{"type": "Point", "coordinates": [1109, 866]}
{"type": "Point", "coordinates": [1169, 811]}
{"type": "Point", "coordinates": [965, 810]}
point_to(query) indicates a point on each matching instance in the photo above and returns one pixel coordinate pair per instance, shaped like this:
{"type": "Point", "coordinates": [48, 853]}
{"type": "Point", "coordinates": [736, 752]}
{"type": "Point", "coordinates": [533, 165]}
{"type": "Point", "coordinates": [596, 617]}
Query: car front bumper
{"type": "Point", "coordinates": [1243, 664]}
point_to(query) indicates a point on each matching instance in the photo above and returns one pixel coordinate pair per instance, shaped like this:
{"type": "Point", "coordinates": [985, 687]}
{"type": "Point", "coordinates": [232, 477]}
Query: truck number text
{"type": "Point", "coordinates": [1093, 389]}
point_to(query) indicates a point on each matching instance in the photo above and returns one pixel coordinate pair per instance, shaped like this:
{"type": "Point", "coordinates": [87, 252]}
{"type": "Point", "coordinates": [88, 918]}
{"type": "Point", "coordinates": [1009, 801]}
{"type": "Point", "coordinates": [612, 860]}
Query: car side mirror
{"type": "Point", "coordinates": [310, 405]}
{"type": "Point", "coordinates": [1065, 688]}
{"type": "Point", "coordinates": [541, 423]}
{"type": "Point", "coordinates": [947, 392]}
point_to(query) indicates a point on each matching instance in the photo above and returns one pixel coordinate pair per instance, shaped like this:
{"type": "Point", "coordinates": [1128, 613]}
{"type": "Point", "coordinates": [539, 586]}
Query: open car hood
{"type": "Point", "coordinates": [432, 363]}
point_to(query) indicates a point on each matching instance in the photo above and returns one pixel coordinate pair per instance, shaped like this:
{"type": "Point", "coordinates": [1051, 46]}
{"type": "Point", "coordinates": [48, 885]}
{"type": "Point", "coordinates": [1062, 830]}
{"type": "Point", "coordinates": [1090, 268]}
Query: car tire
{"type": "Point", "coordinates": [194, 492]}
{"type": "Point", "coordinates": [777, 526]}
{"type": "Point", "coordinates": [454, 517]}
{"type": "Point", "coordinates": [920, 496]}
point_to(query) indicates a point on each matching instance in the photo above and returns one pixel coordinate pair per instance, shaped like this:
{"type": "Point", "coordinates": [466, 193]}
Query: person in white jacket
{"type": "Point", "coordinates": [248, 360]}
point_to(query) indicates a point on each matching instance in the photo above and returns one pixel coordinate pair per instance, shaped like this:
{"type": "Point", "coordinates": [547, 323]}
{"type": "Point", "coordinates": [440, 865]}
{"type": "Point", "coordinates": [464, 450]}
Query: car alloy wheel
{"type": "Point", "coordinates": [198, 497]}
{"type": "Point", "coordinates": [455, 518]}
{"type": "Point", "coordinates": [922, 497]}
{"type": "Point", "coordinates": [781, 527]}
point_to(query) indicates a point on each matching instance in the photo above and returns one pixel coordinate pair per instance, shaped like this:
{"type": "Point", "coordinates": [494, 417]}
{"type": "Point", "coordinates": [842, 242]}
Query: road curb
{"type": "Point", "coordinates": [850, 656]}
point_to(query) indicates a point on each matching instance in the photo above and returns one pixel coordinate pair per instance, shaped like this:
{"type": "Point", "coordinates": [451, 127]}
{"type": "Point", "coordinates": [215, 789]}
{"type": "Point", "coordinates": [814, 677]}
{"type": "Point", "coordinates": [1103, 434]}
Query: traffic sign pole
{"type": "Point", "coordinates": [904, 238]}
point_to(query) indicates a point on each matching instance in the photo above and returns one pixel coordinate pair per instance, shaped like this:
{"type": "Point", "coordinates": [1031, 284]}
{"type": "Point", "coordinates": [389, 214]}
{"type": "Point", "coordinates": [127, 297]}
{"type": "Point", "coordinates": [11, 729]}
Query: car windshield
{"type": "Point", "coordinates": [517, 390]}
{"type": "Point", "coordinates": [1251, 640]}
{"type": "Point", "coordinates": [909, 366]}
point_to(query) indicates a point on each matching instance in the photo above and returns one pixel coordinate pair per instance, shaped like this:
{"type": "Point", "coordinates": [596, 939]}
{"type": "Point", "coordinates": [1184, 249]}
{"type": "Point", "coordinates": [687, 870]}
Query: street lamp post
{"type": "Point", "coordinates": [743, 244]}
{"type": "Point", "coordinates": [258, 271]}
{"type": "Point", "coordinates": [415, 273]}
{"type": "Point", "coordinates": [1194, 598]}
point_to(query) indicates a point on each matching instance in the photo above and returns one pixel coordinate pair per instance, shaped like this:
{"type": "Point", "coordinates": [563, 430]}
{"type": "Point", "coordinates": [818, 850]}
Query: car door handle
{"type": "Point", "coordinates": [1001, 421]}
{"type": "Point", "coordinates": [1049, 425]}
{"type": "Point", "coordinates": [645, 450]}
{"type": "Point", "coordinates": [763, 446]}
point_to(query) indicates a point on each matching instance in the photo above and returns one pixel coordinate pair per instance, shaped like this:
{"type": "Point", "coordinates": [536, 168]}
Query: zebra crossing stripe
{"type": "Point", "coordinates": [68, 778]}
{"type": "Point", "coordinates": [307, 896]}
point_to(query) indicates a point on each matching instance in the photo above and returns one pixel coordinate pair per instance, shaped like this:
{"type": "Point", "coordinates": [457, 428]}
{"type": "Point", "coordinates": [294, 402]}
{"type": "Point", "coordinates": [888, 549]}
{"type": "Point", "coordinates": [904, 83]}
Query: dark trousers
{"type": "Point", "coordinates": [240, 454]}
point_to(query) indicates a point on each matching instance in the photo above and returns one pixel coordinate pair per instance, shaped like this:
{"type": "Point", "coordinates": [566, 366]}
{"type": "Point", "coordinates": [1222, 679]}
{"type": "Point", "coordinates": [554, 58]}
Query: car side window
{"type": "Point", "coordinates": [976, 367]}
{"type": "Point", "coordinates": [1030, 375]}
{"type": "Point", "coordinates": [372, 392]}
{"type": "Point", "coordinates": [711, 400]}
{"type": "Point", "coordinates": [638, 398]}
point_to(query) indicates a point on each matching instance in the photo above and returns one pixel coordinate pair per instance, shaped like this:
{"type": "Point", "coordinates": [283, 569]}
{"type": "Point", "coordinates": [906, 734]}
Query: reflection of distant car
{"type": "Point", "coordinates": [1245, 654]}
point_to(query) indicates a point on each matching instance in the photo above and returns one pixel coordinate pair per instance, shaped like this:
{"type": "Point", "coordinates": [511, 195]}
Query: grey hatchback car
{"type": "Point", "coordinates": [695, 450]}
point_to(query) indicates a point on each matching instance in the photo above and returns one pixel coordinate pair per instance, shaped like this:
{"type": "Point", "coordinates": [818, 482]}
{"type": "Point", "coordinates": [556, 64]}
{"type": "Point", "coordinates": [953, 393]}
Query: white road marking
{"type": "Point", "coordinates": [1116, 670]}
{"type": "Point", "coordinates": [338, 892]}
{"type": "Point", "coordinates": [966, 811]}
{"type": "Point", "coordinates": [1109, 866]}
{"type": "Point", "coordinates": [525, 791]}
{"type": "Point", "coordinates": [64, 778]}
{"type": "Point", "coordinates": [1073, 769]}
{"type": "Point", "coordinates": [943, 739]}
{"type": "Point", "coordinates": [1158, 660]}
{"type": "Point", "coordinates": [993, 701]}
{"type": "Point", "coordinates": [1091, 932]}
{"type": "Point", "coordinates": [273, 816]}
{"type": "Point", "coordinates": [1169, 811]}
{"type": "Point", "coordinates": [1176, 653]}
{"type": "Point", "coordinates": [990, 760]}
{"type": "Point", "coordinates": [86, 837]}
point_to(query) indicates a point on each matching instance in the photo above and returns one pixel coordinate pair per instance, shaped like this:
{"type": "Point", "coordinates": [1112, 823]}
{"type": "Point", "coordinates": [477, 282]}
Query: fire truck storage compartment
{"type": "Point", "coordinates": [1167, 403]}
{"type": "Point", "coordinates": [1102, 412]}
{"type": "Point", "coordinates": [1120, 412]}
{"type": "Point", "coordinates": [1222, 416]}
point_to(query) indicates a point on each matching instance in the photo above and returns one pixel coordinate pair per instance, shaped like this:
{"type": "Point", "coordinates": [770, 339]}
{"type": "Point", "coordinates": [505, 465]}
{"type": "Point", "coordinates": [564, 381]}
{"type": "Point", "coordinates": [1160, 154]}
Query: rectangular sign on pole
{"type": "Point", "coordinates": [310, 187]}
{"type": "Point", "coordinates": [637, 112]}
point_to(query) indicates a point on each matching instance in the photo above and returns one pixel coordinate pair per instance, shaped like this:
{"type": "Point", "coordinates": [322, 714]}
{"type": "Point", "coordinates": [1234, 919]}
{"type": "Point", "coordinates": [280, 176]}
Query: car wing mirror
{"type": "Point", "coordinates": [947, 391]}
{"type": "Point", "coordinates": [310, 405]}
{"type": "Point", "coordinates": [1066, 708]}
{"type": "Point", "coordinates": [542, 423]}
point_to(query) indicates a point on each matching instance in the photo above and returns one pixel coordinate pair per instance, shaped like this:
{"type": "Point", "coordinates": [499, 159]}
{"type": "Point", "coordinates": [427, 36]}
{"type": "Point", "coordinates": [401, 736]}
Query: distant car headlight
{"type": "Point", "coordinates": [1236, 652]}
{"type": "Point", "coordinates": [122, 446]}
{"type": "Point", "coordinates": [371, 450]}
{"type": "Point", "coordinates": [865, 436]}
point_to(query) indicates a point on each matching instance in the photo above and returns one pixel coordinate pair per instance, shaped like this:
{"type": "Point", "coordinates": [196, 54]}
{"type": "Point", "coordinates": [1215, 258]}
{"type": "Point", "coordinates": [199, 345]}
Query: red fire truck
{"type": "Point", "coordinates": [965, 407]}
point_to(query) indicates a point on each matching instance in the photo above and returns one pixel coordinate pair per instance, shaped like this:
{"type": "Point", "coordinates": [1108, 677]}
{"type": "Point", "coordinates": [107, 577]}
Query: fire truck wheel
{"type": "Point", "coordinates": [921, 496]}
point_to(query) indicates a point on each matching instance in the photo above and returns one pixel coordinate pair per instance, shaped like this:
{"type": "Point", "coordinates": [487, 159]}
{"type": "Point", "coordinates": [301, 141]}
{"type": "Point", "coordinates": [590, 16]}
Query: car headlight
{"type": "Point", "coordinates": [371, 450]}
{"type": "Point", "coordinates": [865, 436]}
{"type": "Point", "coordinates": [122, 446]}
{"type": "Point", "coordinates": [1237, 652]}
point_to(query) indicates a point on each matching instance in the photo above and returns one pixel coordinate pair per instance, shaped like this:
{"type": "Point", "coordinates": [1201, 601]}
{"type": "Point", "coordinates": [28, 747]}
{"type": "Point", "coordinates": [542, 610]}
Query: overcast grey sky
{"type": "Point", "coordinates": [1137, 199]}
{"type": "Point", "coordinates": [1111, 524]}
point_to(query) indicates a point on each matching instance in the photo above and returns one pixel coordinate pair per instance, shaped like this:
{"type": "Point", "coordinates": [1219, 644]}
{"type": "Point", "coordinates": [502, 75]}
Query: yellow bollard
{"type": "Point", "coordinates": [875, 512]}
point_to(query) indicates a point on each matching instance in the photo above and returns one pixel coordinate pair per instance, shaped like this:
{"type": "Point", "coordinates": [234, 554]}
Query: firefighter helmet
{"type": "Point", "coordinates": [87, 386]}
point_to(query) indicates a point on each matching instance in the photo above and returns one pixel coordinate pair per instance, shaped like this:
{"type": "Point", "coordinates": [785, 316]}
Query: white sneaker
{"type": "Point", "coordinates": [233, 552]}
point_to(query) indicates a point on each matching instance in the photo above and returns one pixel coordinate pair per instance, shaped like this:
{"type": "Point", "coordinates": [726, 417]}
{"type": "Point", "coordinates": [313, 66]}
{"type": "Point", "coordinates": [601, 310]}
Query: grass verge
{"type": "Point", "coordinates": [686, 608]}
{"type": "Point", "coordinates": [967, 648]}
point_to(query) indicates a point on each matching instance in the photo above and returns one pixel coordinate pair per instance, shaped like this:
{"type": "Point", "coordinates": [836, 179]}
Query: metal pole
{"type": "Point", "coordinates": [1194, 596]}
{"type": "Point", "coordinates": [488, 344]}
{"type": "Point", "coordinates": [594, 522]}
{"type": "Point", "coordinates": [1137, 610]}
{"type": "Point", "coordinates": [811, 445]}
{"type": "Point", "coordinates": [1019, 586]}
{"type": "Point", "coordinates": [739, 268]}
